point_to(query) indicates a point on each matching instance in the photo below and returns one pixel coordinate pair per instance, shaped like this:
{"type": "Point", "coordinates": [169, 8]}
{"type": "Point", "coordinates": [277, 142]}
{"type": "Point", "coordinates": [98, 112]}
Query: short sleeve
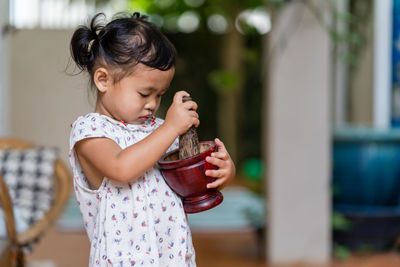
{"type": "Point", "coordinates": [90, 126]}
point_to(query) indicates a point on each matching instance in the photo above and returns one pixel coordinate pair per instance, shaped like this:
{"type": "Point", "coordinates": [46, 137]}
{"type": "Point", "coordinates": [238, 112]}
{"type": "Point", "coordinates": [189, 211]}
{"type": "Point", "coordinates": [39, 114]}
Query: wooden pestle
{"type": "Point", "coordinates": [188, 142]}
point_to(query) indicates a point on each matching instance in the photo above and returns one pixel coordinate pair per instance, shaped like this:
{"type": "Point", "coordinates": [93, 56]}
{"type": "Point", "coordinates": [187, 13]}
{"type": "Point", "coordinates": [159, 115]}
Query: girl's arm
{"type": "Point", "coordinates": [105, 158]}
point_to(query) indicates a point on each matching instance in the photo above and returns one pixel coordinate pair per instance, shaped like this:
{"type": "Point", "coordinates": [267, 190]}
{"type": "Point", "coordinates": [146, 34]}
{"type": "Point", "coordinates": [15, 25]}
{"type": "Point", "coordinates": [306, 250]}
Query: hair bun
{"type": "Point", "coordinates": [84, 41]}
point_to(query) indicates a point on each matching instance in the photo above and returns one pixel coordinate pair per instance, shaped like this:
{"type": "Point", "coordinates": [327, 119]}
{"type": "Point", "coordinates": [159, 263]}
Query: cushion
{"type": "Point", "coordinates": [28, 174]}
{"type": "Point", "coordinates": [20, 224]}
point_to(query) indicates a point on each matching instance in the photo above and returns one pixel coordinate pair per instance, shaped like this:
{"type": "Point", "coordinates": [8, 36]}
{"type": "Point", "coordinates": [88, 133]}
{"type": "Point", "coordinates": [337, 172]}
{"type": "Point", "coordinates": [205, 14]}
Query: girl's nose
{"type": "Point", "coordinates": [151, 104]}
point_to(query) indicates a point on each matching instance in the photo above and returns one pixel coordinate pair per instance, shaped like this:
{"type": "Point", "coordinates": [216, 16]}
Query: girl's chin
{"type": "Point", "coordinates": [139, 120]}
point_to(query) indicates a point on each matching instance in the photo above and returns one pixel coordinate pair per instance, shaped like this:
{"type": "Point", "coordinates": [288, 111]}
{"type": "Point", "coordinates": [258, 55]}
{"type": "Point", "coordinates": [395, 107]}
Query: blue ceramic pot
{"type": "Point", "coordinates": [370, 227]}
{"type": "Point", "coordinates": [366, 166]}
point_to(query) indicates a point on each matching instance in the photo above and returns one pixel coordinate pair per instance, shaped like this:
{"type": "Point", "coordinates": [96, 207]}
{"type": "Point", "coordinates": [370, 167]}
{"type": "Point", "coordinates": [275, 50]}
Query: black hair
{"type": "Point", "coordinates": [121, 44]}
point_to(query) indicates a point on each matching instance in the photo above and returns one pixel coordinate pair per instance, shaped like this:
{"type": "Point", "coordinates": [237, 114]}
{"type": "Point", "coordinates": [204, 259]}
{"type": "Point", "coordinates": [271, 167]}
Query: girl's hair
{"type": "Point", "coordinates": [120, 45]}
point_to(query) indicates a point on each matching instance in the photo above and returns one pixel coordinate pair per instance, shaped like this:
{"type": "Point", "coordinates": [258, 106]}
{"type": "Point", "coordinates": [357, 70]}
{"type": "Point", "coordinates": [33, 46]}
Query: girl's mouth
{"type": "Point", "coordinates": [144, 118]}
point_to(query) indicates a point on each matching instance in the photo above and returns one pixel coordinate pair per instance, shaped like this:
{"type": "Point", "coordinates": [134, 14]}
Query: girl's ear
{"type": "Point", "coordinates": [102, 79]}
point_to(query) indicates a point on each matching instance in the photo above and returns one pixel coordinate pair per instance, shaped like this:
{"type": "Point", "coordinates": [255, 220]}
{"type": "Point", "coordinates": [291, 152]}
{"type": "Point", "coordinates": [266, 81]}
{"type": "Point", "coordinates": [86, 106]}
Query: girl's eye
{"type": "Point", "coordinates": [143, 95]}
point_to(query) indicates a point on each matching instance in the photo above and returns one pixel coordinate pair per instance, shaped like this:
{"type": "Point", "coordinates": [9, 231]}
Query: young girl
{"type": "Point", "coordinates": [131, 216]}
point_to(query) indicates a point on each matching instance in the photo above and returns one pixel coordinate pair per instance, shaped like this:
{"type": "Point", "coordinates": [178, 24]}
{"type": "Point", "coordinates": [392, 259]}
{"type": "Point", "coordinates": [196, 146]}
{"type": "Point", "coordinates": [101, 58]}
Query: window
{"type": "Point", "coordinates": [56, 14]}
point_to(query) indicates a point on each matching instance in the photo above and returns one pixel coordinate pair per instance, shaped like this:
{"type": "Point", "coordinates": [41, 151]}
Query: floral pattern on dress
{"type": "Point", "coordinates": [140, 223]}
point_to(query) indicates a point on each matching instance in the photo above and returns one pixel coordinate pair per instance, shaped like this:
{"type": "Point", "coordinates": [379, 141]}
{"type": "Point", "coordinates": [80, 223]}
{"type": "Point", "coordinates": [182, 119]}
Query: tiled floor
{"type": "Point", "coordinates": [71, 249]}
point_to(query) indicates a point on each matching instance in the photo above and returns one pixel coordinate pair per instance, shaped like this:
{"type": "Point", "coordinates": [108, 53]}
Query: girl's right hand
{"type": "Point", "coordinates": [181, 116]}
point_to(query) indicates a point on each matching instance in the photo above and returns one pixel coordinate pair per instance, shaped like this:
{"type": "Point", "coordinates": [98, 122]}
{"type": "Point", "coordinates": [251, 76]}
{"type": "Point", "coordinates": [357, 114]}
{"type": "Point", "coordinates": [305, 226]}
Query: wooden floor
{"type": "Point", "coordinates": [237, 249]}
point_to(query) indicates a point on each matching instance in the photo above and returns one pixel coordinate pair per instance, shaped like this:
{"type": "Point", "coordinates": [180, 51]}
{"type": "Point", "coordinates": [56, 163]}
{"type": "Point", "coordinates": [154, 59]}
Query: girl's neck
{"type": "Point", "coordinates": [100, 109]}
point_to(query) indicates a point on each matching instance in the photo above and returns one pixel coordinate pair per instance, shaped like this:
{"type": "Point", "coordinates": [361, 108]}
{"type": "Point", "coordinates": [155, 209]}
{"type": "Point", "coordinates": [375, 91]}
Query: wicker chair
{"type": "Point", "coordinates": [8, 245]}
{"type": "Point", "coordinates": [62, 183]}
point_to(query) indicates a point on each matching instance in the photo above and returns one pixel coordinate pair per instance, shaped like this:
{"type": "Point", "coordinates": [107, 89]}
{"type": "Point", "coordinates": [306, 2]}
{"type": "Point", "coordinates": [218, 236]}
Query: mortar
{"type": "Point", "coordinates": [188, 180]}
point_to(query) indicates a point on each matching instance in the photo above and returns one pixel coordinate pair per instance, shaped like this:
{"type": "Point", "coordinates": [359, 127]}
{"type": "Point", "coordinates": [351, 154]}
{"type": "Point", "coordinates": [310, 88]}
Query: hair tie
{"type": "Point", "coordinates": [90, 45]}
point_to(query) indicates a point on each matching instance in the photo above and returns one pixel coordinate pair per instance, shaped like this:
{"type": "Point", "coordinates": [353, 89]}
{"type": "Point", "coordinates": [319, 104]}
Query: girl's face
{"type": "Point", "coordinates": [136, 97]}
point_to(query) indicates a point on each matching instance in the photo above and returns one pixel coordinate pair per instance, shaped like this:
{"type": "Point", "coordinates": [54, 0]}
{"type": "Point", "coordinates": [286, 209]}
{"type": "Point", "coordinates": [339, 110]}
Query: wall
{"type": "Point", "coordinates": [45, 100]}
{"type": "Point", "coordinates": [4, 70]}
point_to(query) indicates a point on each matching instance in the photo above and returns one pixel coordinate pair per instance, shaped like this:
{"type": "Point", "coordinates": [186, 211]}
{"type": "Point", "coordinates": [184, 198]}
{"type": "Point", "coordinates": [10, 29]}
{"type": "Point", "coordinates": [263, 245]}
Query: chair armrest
{"type": "Point", "coordinates": [7, 207]}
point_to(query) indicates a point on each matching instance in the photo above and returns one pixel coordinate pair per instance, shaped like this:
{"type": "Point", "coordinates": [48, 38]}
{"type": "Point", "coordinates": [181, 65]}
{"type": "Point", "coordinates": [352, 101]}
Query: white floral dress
{"type": "Point", "coordinates": [140, 223]}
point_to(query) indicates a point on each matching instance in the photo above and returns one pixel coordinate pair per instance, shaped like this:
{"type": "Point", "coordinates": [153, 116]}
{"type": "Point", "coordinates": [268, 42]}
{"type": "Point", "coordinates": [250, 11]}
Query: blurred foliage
{"type": "Point", "coordinates": [340, 222]}
{"type": "Point", "coordinates": [253, 170]}
{"type": "Point", "coordinates": [356, 17]}
{"type": "Point", "coordinates": [341, 252]}
{"type": "Point", "coordinates": [360, 16]}
{"type": "Point", "coordinates": [197, 53]}
{"type": "Point", "coordinates": [357, 21]}
{"type": "Point", "coordinates": [205, 7]}
{"type": "Point", "coordinates": [223, 80]}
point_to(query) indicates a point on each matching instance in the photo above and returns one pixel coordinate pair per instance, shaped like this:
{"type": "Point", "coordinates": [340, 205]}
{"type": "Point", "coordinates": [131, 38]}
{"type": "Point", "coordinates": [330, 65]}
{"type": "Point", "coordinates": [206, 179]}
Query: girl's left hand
{"type": "Point", "coordinates": [226, 168]}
